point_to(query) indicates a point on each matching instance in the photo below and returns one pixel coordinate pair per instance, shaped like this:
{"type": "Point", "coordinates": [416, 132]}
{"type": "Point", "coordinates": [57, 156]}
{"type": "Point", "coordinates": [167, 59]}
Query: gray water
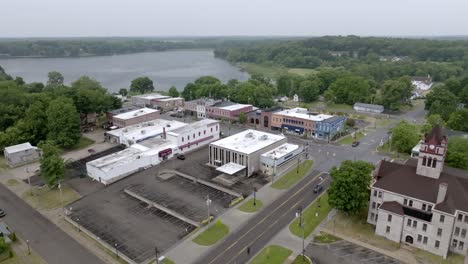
{"type": "Point", "coordinates": [166, 68]}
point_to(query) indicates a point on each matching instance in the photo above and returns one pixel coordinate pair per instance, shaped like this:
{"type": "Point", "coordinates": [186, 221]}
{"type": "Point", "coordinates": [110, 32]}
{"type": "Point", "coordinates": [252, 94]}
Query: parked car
{"type": "Point", "coordinates": [2, 213]}
{"type": "Point", "coordinates": [355, 144]}
{"type": "Point", "coordinates": [318, 188]}
{"type": "Point", "coordinates": [181, 157]}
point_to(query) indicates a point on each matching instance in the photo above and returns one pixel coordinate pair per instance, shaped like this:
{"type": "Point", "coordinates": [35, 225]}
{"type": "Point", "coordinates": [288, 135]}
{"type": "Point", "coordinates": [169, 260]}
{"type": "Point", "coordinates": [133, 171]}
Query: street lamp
{"type": "Point", "coordinates": [208, 204]}
{"type": "Point", "coordinates": [78, 224]}
{"type": "Point", "coordinates": [157, 254]}
{"type": "Point", "coordinates": [254, 195]}
{"type": "Point", "coordinates": [301, 224]}
{"type": "Point", "coordinates": [61, 197]}
{"type": "Point", "coordinates": [116, 251]}
{"type": "Point", "coordinates": [29, 249]}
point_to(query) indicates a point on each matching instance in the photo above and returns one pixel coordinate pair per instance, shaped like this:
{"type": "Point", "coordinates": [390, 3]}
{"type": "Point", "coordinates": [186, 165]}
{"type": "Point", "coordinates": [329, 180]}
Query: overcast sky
{"type": "Point", "coordinates": [68, 18]}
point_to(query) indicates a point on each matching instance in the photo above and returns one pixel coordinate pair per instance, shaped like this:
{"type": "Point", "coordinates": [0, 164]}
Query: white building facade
{"type": "Point", "coordinates": [21, 154]}
{"type": "Point", "coordinates": [275, 161]}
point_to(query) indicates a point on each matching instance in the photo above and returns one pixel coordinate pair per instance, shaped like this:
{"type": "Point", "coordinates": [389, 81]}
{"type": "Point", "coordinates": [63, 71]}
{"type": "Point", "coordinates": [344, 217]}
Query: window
{"type": "Point", "coordinates": [211, 129]}
{"type": "Point", "coordinates": [415, 224]}
{"type": "Point", "coordinates": [387, 230]}
{"type": "Point", "coordinates": [429, 208]}
{"type": "Point", "coordinates": [425, 240]}
{"type": "Point", "coordinates": [437, 244]}
{"type": "Point", "coordinates": [405, 201]}
{"type": "Point", "coordinates": [182, 139]}
{"type": "Point", "coordinates": [389, 218]}
{"type": "Point", "coordinates": [460, 217]}
{"type": "Point", "coordinates": [372, 215]}
{"type": "Point", "coordinates": [409, 222]}
{"type": "Point", "coordinates": [375, 193]}
{"type": "Point", "coordinates": [424, 161]}
{"type": "Point", "coordinates": [419, 238]}
{"type": "Point", "coordinates": [410, 203]}
{"type": "Point", "coordinates": [376, 217]}
{"type": "Point", "coordinates": [434, 163]}
{"type": "Point", "coordinates": [424, 207]}
{"type": "Point", "coordinates": [457, 231]}
{"type": "Point", "coordinates": [466, 219]}
{"type": "Point", "coordinates": [454, 243]}
{"type": "Point", "coordinates": [463, 233]}
{"type": "Point", "coordinates": [193, 135]}
{"type": "Point", "coordinates": [188, 137]}
{"type": "Point", "coordinates": [460, 245]}
{"type": "Point", "coordinates": [442, 218]}
{"type": "Point", "coordinates": [439, 231]}
{"type": "Point", "coordinates": [378, 205]}
{"type": "Point", "coordinates": [424, 227]}
{"type": "Point", "coordinates": [199, 133]}
{"type": "Point", "coordinates": [373, 205]}
{"type": "Point", "coordinates": [380, 194]}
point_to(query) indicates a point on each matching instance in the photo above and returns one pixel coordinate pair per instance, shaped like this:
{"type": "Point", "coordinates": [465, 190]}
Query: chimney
{"type": "Point", "coordinates": [164, 133]}
{"type": "Point", "coordinates": [442, 192]}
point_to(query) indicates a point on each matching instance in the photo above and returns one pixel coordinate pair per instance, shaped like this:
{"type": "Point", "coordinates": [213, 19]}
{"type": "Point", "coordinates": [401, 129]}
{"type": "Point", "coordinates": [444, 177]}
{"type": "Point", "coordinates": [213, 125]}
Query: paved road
{"type": "Point", "coordinates": [259, 230]}
{"type": "Point", "coordinates": [54, 245]}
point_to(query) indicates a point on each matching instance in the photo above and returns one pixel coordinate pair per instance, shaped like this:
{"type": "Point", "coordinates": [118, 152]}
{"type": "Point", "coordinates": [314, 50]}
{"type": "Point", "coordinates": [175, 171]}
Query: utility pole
{"type": "Point", "coordinates": [29, 249]}
{"type": "Point", "coordinates": [157, 254]}
{"type": "Point", "coordinates": [301, 224]}
{"type": "Point", "coordinates": [61, 197]}
{"type": "Point", "coordinates": [116, 251]}
{"type": "Point", "coordinates": [254, 195]}
{"type": "Point", "coordinates": [208, 203]}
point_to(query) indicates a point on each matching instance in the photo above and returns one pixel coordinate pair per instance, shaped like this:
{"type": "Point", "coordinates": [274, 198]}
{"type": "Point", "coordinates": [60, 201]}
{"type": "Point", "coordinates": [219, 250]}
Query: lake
{"type": "Point", "coordinates": [166, 69]}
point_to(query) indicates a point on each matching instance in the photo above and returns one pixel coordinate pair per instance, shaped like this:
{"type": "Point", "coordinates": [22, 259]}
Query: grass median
{"type": "Point", "coordinates": [272, 255]}
{"type": "Point", "coordinates": [292, 177]}
{"type": "Point", "coordinates": [301, 260]}
{"type": "Point", "coordinates": [348, 140]}
{"type": "Point", "coordinates": [312, 217]}
{"type": "Point", "coordinates": [212, 235]}
{"type": "Point", "coordinates": [249, 207]}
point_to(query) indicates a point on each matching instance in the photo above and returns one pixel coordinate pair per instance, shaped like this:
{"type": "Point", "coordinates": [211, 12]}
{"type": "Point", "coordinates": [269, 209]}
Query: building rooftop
{"type": "Point", "coordinates": [402, 179]}
{"type": "Point", "coordinates": [19, 147]}
{"type": "Point", "coordinates": [124, 109]}
{"type": "Point", "coordinates": [393, 207]}
{"type": "Point", "coordinates": [146, 129]}
{"type": "Point", "coordinates": [248, 141]}
{"type": "Point", "coordinates": [230, 168]}
{"type": "Point", "coordinates": [372, 106]}
{"type": "Point", "coordinates": [151, 96]}
{"type": "Point", "coordinates": [302, 113]}
{"type": "Point", "coordinates": [280, 151]}
{"type": "Point", "coordinates": [114, 160]}
{"type": "Point", "coordinates": [195, 125]}
{"type": "Point", "coordinates": [135, 113]}
{"type": "Point", "coordinates": [170, 99]}
{"type": "Point", "coordinates": [205, 101]}
{"type": "Point", "coordinates": [235, 107]}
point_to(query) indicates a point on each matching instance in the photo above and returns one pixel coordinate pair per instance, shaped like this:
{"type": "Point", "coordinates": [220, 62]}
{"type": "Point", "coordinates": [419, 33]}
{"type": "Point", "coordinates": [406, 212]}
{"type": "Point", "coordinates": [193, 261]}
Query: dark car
{"type": "Point", "coordinates": [2, 213]}
{"type": "Point", "coordinates": [318, 188]}
{"type": "Point", "coordinates": [181, 157]}
{"type": "Point", "coordinates": [355, 144]}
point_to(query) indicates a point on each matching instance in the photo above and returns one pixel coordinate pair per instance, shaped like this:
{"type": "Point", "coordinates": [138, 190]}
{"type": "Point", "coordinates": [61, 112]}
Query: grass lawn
{"type": "Point", "coordinates": [310, 220]}
{"type": "Point", "coordinates": [44, 198]}
{"type": "Point", "coordinates": [164, 261]}
{"type": "Point", "coordinates": [12, 182]}
{"type": "Point", "coordinates": [348, 140]}
{"type": "Point", "coordinates": [3, 165]}
{"type": "Point", "coordinates": [269, 71]}
{"type": "Point", "coordinates": [31, 259]}
{"type": "Point", "coordinates": [248, 207]}
{"type": "Point", "coordinates": [212, 235]}
{"type": "Point", "coordinates": [326, 238]}
{"type": "Point", "coordinates": [82, 143]}
{"type": "Point", "coordinates": [292, 176]}
{"type": "Point", "coordinates": [301, 260]}
{"type": "Point", "coordinates": [429, 258]}
{"type": "Point", "coordinates": [272, 255]}
{"type": "Point", "coordinates": [356, 226]}
{"type": "Point", "coordinates": [301, 71]}
{"type": "Point", "coordinates": [385, 148]}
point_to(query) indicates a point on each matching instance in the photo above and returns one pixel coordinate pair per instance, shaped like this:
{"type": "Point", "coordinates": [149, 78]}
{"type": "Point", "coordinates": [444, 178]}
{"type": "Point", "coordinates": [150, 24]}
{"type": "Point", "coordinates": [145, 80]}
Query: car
{"type": "Point", "coordinates": [318, 188]}
{"type": "Point", "coordinates": [355, 144]}
{"type": "Point", "coordinates": [181, 157]}
{"type": "Point", "coordinates": [2, 213]}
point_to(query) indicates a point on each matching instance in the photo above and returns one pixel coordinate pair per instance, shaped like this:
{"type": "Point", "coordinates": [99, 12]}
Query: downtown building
{"type": "Point", "coordinates": [422, 203]}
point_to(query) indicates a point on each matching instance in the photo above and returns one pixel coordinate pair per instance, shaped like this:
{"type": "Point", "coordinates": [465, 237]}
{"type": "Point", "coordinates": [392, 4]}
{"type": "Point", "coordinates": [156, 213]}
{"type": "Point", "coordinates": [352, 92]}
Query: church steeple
{"type": "Point", "coordinates": [432, 153]}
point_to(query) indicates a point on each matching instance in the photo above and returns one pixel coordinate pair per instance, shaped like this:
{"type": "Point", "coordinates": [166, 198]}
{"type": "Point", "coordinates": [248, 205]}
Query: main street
{"type": "Point", "coordinates": [54, 245]}
{"type": "Point", "coordinates": [256, 233]}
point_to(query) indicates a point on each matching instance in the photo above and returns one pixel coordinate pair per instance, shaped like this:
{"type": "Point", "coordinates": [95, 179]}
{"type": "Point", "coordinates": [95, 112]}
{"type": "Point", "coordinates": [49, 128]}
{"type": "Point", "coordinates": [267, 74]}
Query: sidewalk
{"type": "Point", "coordinates": [188, 252]}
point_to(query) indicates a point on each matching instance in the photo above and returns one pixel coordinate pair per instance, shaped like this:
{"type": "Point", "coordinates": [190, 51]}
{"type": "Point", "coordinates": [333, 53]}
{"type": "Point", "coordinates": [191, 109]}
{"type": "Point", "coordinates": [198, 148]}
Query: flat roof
{"type": "Point", "coordinates": [151, 96]}
{"type": "Point", "coordinates": [170, 99]}
{"type": "Point", "coordinates": [195, 125]}
{"type": "Point", "coordinates": [303, 114]}
{"type": "Point", "coordinates": [108, 162]}
{"type": "Point", "coordinates": [124, 109]}
{"type": "Point", "coordinates": [234, 107]}
{"type": "Point", "coordinates": [230, 168]}
{"type": "Point", "coordinates": [373, 106]}
{"type": "Point", "coordinates": [19, 147]}
{"type": "Point", "coordinates": [280, 151]}
{"type": "Point", "coordinates": [248, 141]}
{"type": "Point", "coordinates": [135, 113]}
{"type": "Point", "coordinates": [146, 129]}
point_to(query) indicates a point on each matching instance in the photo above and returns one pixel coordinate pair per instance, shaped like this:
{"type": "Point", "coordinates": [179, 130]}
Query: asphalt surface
{"type": "Point", "coordinates": [54, 245]}
{"type": "Point", "coordinates": [259, 230]}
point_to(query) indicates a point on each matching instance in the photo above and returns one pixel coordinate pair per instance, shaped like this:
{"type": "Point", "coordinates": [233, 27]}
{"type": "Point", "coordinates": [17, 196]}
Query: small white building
{"type": "Point", "coordinates": [194, 135]}
{"type": "Point", "coordinates": [369, 108]}
{"type": "Point", "coordinates": [147, 99]}
{"type": "Point", "coordinates": [21, 154]}
{"type": "Point", "coordinates": [244, 148]}
{"type": "Point", "coordinates": [135, 117]}
{"type": "Point", "coordinates": [273, 161]}
{"type": "Point", "coordinates": [422, 83]}
{"type": "Point", "coordinates": [296, 98]}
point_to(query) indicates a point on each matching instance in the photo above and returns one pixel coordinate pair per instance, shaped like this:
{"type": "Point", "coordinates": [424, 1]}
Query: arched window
{"type": "Point", "coordinates": [424, 161]}
{"type": "Point", "coordinates": [434, 161]}
{"type": "Point", "coordinates": [429, 161]}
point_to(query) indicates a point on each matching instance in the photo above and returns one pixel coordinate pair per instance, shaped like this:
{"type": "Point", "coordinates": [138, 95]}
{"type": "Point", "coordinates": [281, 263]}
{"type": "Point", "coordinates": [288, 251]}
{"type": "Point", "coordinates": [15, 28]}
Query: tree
{"type": "Point", "coordinates": [173, 92]}
{"type": "Point", "coordinates": [85, 82]}
{"type": "Point", "coordinates": [55, 78]}
{"type": "Point", "coordinates": [431, 121]}
{"type": "Point", "coordinates": [349, 90]}
{"type": "Point", "coordinates": [63, 122]}
{"type": "Point", "coordinates": [441, 101]}
{"type": "Point", "coordinates": [242, 118]}
{"type": "Point", "coordinates": [123, 92]}
{"type": "Point", "coordinates": [52, 165]}
{"type": "Point", "coordinates": [396, 93]}
{"type": "Point", "coordinates": [459, 120]}
{"type": "Point", "coordinates": [142, 85]}
{"type": "Point", "coordinates": [404, 137]}
{"type": "Point", "coordinates": [309, 89]}
{"type": "Point", "coordinates": [349, 189]}
{"type": "Point", "coordinates": [457, 153]}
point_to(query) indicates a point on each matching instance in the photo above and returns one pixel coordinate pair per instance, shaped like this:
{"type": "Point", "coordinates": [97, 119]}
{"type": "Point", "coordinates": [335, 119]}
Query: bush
{"type": "Point", "coordinates": [236, 201]}
{"type": "Point", "coordinates": [13, 236]}
{"type": "Point", "coordinates": [350, 122]}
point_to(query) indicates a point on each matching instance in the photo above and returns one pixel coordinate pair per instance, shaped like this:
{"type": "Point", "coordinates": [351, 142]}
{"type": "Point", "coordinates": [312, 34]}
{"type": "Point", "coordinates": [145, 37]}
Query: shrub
{"type": "Point", "coordinates": [236, 201]}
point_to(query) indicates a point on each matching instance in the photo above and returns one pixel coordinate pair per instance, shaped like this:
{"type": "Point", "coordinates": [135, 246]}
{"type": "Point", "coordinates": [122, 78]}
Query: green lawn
{"type": "Point", "coordinates": [310, 220]}
{"type": "Point", "coordinates": [301, 260]}
{"type": "Point", "coordinates": [212, 235]}
{"type": "Point", "coordinates": [45, 198]}
{"type": "Point", "coordinates": [272, 255]}
{"type": "Point", "coordinates": [301, 71]}
{"type": "Point", "coordinates": [292, 176]}
{"type": "Point", "coordinates": [385, 148]}
{"type": "Point", "coordinates": [248, 206]}
{"type": "Point", "coordinates": [269, 71]}
{"type": "Point", "coordinates": [12, 182]}
{"type": "Point", "coordinates": [82, 143]}
{"type": "Point", "coordinates": [3, 165]}
{"type": "Point", "coordinates": [165, 261]}
{"type": "Point", "coordinates": [326, 238]}
{"type": "Point", "coordinates": [348, 140]}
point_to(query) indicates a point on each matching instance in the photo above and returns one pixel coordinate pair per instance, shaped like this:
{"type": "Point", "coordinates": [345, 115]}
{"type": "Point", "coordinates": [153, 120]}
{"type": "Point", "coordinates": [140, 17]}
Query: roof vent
{"type": "Point", "coordinates": [143, 131]}
{"type": "Point", "coordinates": [264, 137]}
